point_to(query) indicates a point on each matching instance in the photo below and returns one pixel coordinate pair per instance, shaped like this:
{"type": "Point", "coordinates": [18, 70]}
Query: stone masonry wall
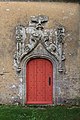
{"type": "Point", "coordinates": [13, 14]}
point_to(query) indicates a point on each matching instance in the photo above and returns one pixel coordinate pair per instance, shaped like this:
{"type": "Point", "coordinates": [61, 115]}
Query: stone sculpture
{"type": "Point", "coordinates": [38, 34]}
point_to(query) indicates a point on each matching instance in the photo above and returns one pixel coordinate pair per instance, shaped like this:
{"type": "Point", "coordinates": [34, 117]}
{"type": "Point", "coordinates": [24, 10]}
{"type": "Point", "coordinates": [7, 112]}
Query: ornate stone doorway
{"type": "Point", "coordinates": [36, 41]}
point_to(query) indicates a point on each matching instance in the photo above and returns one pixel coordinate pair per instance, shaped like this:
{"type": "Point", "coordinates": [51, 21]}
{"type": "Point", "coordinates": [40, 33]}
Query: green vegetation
{"type": "Point", "coordinates": [39, 113]}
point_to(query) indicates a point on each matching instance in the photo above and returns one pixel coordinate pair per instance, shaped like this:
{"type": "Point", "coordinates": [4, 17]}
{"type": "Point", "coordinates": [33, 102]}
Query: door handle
{"type": "Point", "coordinates": [49, 81]}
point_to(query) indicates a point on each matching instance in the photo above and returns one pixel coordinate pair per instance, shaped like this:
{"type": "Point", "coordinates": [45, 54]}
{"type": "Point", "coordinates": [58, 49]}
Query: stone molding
{"type": "Point", "coordinates": [38, 34]}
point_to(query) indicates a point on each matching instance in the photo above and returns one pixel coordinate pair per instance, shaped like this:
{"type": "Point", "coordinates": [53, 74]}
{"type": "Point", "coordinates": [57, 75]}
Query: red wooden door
{"type": "Point", "coordinates": [39, 82]}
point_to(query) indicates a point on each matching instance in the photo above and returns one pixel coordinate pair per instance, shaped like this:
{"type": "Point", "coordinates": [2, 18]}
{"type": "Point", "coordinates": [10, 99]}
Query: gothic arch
{"type": "Point", "coordinates": [40, 45]}
{"type": "Point", "coordinates": [23, 74]}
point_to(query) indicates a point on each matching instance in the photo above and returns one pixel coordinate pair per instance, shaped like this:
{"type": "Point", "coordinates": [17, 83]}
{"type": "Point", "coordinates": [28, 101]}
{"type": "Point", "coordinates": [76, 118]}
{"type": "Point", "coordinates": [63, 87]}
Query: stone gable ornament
{"type": "Point", "coordinates": [38, 34]}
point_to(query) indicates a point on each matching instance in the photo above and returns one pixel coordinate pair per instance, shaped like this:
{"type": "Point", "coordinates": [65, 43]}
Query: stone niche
{"type": "Point", "coordinates": [39, 30]}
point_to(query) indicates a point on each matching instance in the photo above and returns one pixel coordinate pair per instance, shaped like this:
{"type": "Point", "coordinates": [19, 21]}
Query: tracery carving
{"type": "Point", "coordinates": [39, 34]}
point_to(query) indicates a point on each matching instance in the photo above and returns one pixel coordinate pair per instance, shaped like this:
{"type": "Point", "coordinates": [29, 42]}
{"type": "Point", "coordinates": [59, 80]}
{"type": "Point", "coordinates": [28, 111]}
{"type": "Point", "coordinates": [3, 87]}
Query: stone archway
{"type": "Point", "coordinates": [23, 73]}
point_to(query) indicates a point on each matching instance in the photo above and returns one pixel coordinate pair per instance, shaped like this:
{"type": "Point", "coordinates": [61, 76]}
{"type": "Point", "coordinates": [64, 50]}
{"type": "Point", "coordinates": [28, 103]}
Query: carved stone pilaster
{"type": "Point", "coordinates": [20, 39]}
{"type": "Point", "coordinates": [60, 34]}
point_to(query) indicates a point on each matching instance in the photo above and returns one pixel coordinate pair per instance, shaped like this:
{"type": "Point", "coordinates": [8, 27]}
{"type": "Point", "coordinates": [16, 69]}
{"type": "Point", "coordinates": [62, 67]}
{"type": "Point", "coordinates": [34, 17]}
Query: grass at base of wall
{"type": "Point", "coordinates": [39, 113]}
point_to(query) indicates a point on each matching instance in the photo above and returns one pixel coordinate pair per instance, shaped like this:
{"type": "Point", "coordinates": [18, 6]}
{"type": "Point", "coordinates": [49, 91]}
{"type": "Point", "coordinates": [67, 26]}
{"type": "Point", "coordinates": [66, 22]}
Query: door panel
{"type": "Point", "coordinates": [39, 82]}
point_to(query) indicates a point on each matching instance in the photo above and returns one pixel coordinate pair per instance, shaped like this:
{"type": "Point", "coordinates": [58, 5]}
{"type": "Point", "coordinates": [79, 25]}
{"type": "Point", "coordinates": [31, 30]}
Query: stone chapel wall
{"type": "Point", "coordinates": [13, 14]}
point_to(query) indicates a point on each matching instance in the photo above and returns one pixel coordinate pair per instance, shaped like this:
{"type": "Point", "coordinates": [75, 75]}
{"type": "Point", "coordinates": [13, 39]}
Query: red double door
{"type": "Point", "coordinates": [39, 82]}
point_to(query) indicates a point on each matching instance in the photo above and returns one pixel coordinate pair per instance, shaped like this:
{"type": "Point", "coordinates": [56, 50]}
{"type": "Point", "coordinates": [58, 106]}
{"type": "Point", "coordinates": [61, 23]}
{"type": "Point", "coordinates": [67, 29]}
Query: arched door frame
{"type": "Point", "coordinates": [25, 60]}
{"type": "Point", "coordinates": [40, 43]}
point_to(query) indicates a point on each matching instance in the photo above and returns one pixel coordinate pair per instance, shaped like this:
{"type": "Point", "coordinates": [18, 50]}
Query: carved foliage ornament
{"type": "Point", "coordinates": [38, 34]}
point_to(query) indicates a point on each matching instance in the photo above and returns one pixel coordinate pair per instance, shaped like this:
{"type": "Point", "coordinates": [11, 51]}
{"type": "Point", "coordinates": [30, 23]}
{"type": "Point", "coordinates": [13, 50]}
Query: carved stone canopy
{"type": "Point", "coordinates": [39, 34]}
